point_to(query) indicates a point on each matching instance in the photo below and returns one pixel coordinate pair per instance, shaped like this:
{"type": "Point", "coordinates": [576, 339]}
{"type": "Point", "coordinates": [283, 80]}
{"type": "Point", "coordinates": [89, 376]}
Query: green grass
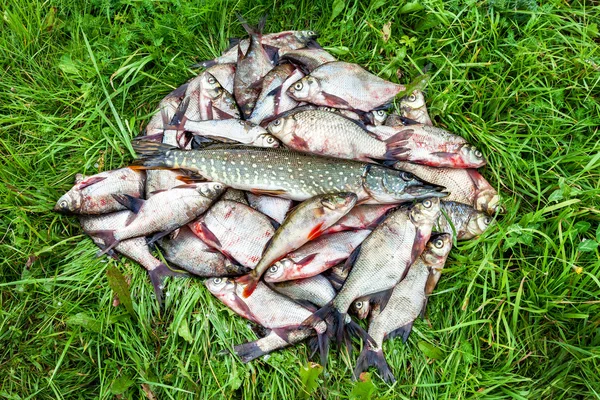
{"type": "Point", "coordinates": [517, 313]}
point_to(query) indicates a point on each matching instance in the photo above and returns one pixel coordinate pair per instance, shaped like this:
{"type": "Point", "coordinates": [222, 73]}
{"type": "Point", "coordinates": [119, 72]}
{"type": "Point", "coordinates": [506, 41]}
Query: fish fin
{"type": "Point", "coordinates": [313, 44]}
{"type": "Point", "coordinates": [306, 304]}
{"type": "Point", "coordinates": [90, 181]}
{"type": "Point", "coordinates": [403, 332]}
{"type": "Point", "coordinates": [209, 235]}
{"type": "Point", "coordinates": [246, 312]}
{"type": "Point", "coordinates": [422, 313]}
{"type": "Point", "coordinates": [233, 42]}
{"type": "Point", "coordinates": [403, 134]}
{"type": "Point", "coordinates": [371, 357]}
{"type": "Point", "coordinates": [327, 313]}
{"type": "Point", "coordinates": [132, 203]}
{"type": "Point", "coordinates": [396, 145]}
{"type": "Point", "coordinates": [221, 114]}
{"type": "Point", "coordinates": [249, 281]}
{"type": "Point", "coordinates": [154, 138]}
{"type": "Point", "coordinates": [381, 298]}
{"type": "Point", "coordinates": [352, 258]}
{"type": "Point", "coordinates": [275, 92]}
{"type": "Point", "coordinates": [190, 179]}
{"type": "Point", "coordinates": [272, 53]}
{"type": "Point", "coordinates": [157, 236]}
{"type": "Point", "coordinates": [273, 222]}
{"type": "Point", "coordinates": [418, 246]}
{"type": "Point", "coordinates": [273, 192]}
{"type": "Point", "coordinates": [316, 231]}
{"type": "Point", "coordinates": [157, 191]}
{"type": "Point", "coordinates": [248, 351]}
{"type": "Point", "coordinates": [307, 259]}
{"type": "Point", "coordinates": [179, 119]}
{"type": "Point", "coordinates": [430, 283]}
{"type": "Point", "coordinates": [150, 154]}
{"type": "Point", "coordinates": [334, 100]}
{"type": "Point", "coordinates": [157, 277]}
{"type": "Point", "coordinates": [108, 237]}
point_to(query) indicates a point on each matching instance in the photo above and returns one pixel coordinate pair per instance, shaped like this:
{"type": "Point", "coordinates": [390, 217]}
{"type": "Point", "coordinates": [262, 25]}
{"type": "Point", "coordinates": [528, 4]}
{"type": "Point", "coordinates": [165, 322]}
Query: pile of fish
{"type": "Point", "coordinates": [279, 174]}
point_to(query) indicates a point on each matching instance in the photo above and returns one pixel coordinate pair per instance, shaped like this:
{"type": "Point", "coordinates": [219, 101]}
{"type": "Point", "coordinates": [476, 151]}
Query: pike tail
{"type": "Point", "coordinates": [157, 277]}
{"type": "Point", "coordinates": [151, 155]}
{"type": "Point", "coordinates": [371, 357]}
{"type": "Point", "coordinates": [108, 237]}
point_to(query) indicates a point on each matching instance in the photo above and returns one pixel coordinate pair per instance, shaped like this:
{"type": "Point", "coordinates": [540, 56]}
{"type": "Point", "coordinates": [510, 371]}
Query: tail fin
{"type": "Point", "coordinates": [371, 357]}
{"type": "Point", "coordinates": [157, 277]}
{"type": "Point", "coordinates": [248, 351]}
{"type": "Point", "coordinates": [151, 154]}
{"type": "Point", "coordinates": [251, 31]}
{"type": "Point", "coordinates": [108, 237]}
{"type": "Point", "coordinates": [249, 281]}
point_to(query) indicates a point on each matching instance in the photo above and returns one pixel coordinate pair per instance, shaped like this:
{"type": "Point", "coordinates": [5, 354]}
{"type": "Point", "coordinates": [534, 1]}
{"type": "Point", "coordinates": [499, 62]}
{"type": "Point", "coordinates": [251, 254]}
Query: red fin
{"type": "Point", "coordinates": [315, 232]}
{"type": "Point", "coordinates": [275, 192]}
{"type": "Point", "coordinates": [249, 282]}
{"type": "Point", "coordinates": [90, 181]}
{"type": "Point", "coordinates": [188, 180]}
{"type": "Point", "coordinates": [208, 235]}
{"type": "Point", "coordinates": [222, 114]}
{"type": "Point", "coordinates": [335, 101]}
{"type": "Point", "coordinates": [403, 134]}
{"type": "Point", "coordinates": [307, 259]}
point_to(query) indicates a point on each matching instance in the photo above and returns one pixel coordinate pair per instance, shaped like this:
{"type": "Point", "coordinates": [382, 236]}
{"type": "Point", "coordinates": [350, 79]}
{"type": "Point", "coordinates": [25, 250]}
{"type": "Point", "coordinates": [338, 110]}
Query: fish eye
{"type": "Point", "coordinates": [211, 80]}
{"type": "Point", "coordinates": [487, 220]}
{"type": "Point", "coordinates": [478, 153]}
{"type": "Point", "coordinates": [218, 186]}
{"type": "Point", "coordinates": [298, 86]}
{"type": "Point", "coordinates": [312, 33]}
{"type": "Point", "coordinates": [273, 269]}
{"type": "Point", "coordinates": [270, 139]}
{"type": "Point", "coordinates": [277, 122]}
{"type": "Point", "coordinates": [427, 203]}
{"type": "Point", "coordinates": [63, 204]}
{"type": "Point", "coordinates": [216, 281]}
{"type": "Point", "coordinates": [381, 113]}
{"type": "Point", "coordinates": [412, 97]}
{"type": "Point", "coordinates": [358, 304]}
{"type": "Point", "coordinates": [407, 176]}
{"type": "Point", "coordinates": [439, 243]}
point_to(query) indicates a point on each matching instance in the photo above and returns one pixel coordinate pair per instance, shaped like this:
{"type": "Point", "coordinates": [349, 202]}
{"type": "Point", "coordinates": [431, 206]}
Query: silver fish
{"type": "Point", "coordinates": [205, 99]}
{"type": "Point", "coordinates": [186, 250]}
{"type": "Point", "coordinates": [462, 220]}
{"type": "Point", "coordinates": [166, 111]}
{"type": "Point", "coordinates": [275, 208]}
{"type": "Point", "coordinates": [94, 194]}
{"type": "Point", "coordinates": [413, 107]}
{"type": "Point", "coordinates": [163, 179]}
{"type": "Point", "coordinates": [232, 130]}
{"type": "Point", "coordinates": [307, 58]}
{"type": "Point", "coordinates": [288, 174]}
{"type": "Point", "coordinates": [343, 85]}
{"type": "Point", "coordinates": [406, 302]}
{"type": "Point", "coordinates": [361, 217]}
{"type": "Point", "coordinates": [224, 74]}
{"type": "Point", "coordinates": [315, 289]}
{"type": "Point", "coordinates": [238, 231]}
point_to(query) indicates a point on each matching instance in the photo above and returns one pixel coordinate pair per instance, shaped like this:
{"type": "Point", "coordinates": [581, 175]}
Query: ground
{"type": "Point", "coordinates": [516, 314]}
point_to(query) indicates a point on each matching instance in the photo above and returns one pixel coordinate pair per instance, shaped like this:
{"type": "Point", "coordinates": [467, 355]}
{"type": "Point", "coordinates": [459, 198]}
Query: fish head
{"type": "Point", "coordinates": [437, 249]}
{"type": "Point", "coordinates": [306, 36]}
{"type": "Point", "coordinates": [305, 89]}
{"type": "Point", "coordinates": [361, 308]}
{"type": "Point", "coordinates": [266, 140]}
{"type": "Point", "coordinates": [70, 202]}
{"type": "Point", "coordinates": [488, 201]}
{"type": "Point", "coordinates": [277, 270]}
{"type": "Point", "coordinates": [282, 126]}
{"type": "Point", "coordinates": [426, 211]}
{"type": "Point", "coordinates": [220, 286]}
{"type": "Point", "coordinates": [478, 223]}
{"type": "Point", "coordinates": [389, 186]}
{"type": "Point", "coordinates": [338, 203]}
{"type": "Point", "coordinates": [212, 190]}
{"type": "Point", "coordinates": [379, 117]}
{"type": "Point", "coordinates": [472, 156]}
{"type": "Point", "coordinates": [413, 101]}
{"type": "Point", "coordinates": [211, 86]}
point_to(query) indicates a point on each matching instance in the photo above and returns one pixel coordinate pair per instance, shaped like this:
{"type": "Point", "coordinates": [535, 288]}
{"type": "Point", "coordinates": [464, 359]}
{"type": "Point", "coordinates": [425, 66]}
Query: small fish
{"type": "Point", "coordinates": [466, 186]}
{"type": "Point", "coordinates": [428, 145]}
{"type": "Point", "coordinates": [308, 58]}
{"type": "Point", "coordinates": [206, 99]}
{"type": "Point", "coordinates": [304, 223]}
{"type": "Point", "coordinates": [273, 99]}
{"type": "Point", "coordinates": [166, 111]}
{"type": "Point", "coordinates": [186, 250]}
{"type": "Point", "coordinates": [316, 256]}
{"type": "Point", "coordinates": [134, 248]}
{"type": "Point", "coordinates": [235, 195]}
{"type": "Point", "coordinates": [232, 130]}
{"type": "Point", "coordinates": [224, 74]}
{"type": "Point", "coordinates": [413, 107]}
{"type": "Point", "coordinates": [379, 117]}
{"type": "Point", "coordinates": [462, 220]}
{"type": "Point", "coordinates": [361, 217]}
{"type": "Point", "coordinates": [94, 194]}
{"type": "Point", "coordinates": [406, 302]}
{"type": "Point", "coordinates": [164, 179]}
{"type": "Point", "coordinates": [162, 213]}
{"type": "Point", "coordinates": [236, 230]}
{"type": "Point", "coordinates": [287, 174]}
{"type": "Point", "coordinates": [275, 208]}
{"type": "Point", "coordinates": [343, 85]}
{"type": "Point", "coordinates": [315, 289]}
{"type": "Point", "coordinates": [381, 262]}
{"type": "Point", "coordinates": [252, 66]}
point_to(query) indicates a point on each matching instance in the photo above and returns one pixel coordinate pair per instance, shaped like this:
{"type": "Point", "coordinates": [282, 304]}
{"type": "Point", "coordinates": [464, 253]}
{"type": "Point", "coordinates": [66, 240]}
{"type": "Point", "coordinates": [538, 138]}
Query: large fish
{"type": "Point", "coordinates": [381, 261]}
{"type": "Point", "coordinates": [316, 290]}
{"type": "Point", "coordinates": [316, 256]}
{"type": "Point", "coordinates": [304, 223]}
{"type": "Point", "coordinates": [466, 186]}
{"type": "Point", "coordinates": [134, 248]}
{"type": "Point", "coordinates": [288, 174]}
{"type": "Point", "coordinates": [413, 107]}
{"type": "Point", "coordinates": [344, 85]}
{"type": "Point", "coordinates": [162, 213]}
{"type": "Point", "coordinates": [232, 130]}
{"type": "Point", "coordinates": [186, 250]}
{"type": "Point", "coordinates": [462, 221]}
{"type": "Point", "coordinates": [366, 216]}
{"type": "Point", "coordinates": [428, 145]}
{"type": "Point", "coordinates": [406, 302]}
{"type": "Point", "coordinates": [275, 208]}
{"type": "Point", "coordinates": [331, 134]}
{"type": "Point", "coordinates": [94, 194]}
{"type": "Point", "coordinates": [236, 230]}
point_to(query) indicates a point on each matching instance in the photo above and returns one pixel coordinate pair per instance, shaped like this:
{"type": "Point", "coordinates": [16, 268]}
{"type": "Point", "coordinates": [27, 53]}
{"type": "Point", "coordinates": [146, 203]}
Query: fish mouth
{"type": "Point", "coordinates": [427, 190]}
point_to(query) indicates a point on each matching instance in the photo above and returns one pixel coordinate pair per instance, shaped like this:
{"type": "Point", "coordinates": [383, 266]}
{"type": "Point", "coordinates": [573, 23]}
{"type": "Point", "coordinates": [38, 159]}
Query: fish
{"type": "Point", "coordinates": [466, 186]}
{"type": "Point", "coordinates": [462, 221]}
{"type": "Point", "coordinates": [366, 216]}
{"type": "Point", "coordinates": [232, 129]}
{"type": "Point", "coordinates": [167, 108]}
{"type": "Point", "coordinates": [135, 249]}
{"type": "Point", "coordinates": [162, 213]}
{"type": "Point", "coordinates": [379, 117]}
{"type": "Point", "coordinates": [316, 256]}
{"type": "Point", "coordinates": [224, 74]}
{"type": "Point", "coordinates": [265, 306]}
{"type": "Point", "coordinates": [304, 223]}
{"type": "Point", "coordinates": [275, 208]}
{"type": "Point", "coordinates": [344, 85]}
{"type": "Point", "coordinates": [406, 302]}
{"type": "Point", "coordinates": [413, 107]}
{"type": "Point", "coordinates": [235, 195]}
{"type": "Point", "coordinates": [428, 145]}
{"type": "Point", "coordinates": [271, 342]}
{"type": "Point", "coordinates": [236, 230]}
{"type": "Point", "coordinates": [331, 134]}
{"type": "Point", "coordinates": [251, 68]}
{"type": "Point", "coordinates": [273, 99]}
{"type": "Point", "coordinates": [187, 251]}
{"type": "Point", "coordinates": [307, 58]}
{"type": "Point", "coordinates": [315, 289]}
{"type": "Point", "coordinates": [287, 174]}
{"type": "Point", "coordinates": [337, 275]}
{"type": "Point", "coordinates": [94, 194]}
{"type": "Point", "coordinates": [380, 263]}
{"type": "Point", "coordinates": [205, 99]}
{"type": "Point", "coordinates": [164, 179]}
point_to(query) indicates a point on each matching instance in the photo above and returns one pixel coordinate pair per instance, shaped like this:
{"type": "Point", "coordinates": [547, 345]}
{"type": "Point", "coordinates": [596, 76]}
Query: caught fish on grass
{"type": "Point", "coordinates": [413, 107]}
{"type": "Point", "coordinates": [462, 221]}
{"type": "Point", "coordinates": [206, 99]}
{"type": "Point", "coordinates": [232, 129]}
{"type": "Point", "coordinates": [315, 289]}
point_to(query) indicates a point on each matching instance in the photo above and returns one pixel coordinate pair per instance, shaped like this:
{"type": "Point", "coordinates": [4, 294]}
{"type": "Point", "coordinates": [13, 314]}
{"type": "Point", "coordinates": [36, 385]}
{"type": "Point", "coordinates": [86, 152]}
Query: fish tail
{"type": "Point", "coordinates": [396, 146]}
{"type": "Point", "coordinates": [151, 155]}
{"type": "Point", "coordinates": [249, 281]}
{"type": "Point", "coordinates": [157, 277]}
{"type": "Point", "coordinates": [253, 31]}
{"type": "Point", "coordinates": [108, 237]}
{"type": "Point", "coordinates": [371, 357]}
{"type": "Point", "coordinates": [248, 351]}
